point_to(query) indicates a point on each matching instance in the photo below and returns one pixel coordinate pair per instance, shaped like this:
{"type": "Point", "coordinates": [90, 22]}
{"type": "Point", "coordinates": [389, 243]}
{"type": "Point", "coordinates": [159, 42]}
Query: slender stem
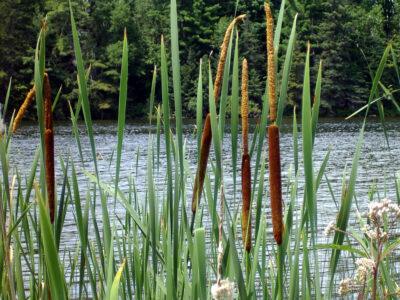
{"type": "Point", "coordinates": [376, 267]}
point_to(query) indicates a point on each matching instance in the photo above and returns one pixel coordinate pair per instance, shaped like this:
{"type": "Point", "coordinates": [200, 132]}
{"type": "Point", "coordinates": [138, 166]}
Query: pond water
{"type": "Point", "coordinates": [377, 168]}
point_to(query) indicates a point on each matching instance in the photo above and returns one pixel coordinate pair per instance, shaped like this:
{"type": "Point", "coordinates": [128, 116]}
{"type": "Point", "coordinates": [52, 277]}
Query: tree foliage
{"type": "Point", "coordinates": [349, 36]}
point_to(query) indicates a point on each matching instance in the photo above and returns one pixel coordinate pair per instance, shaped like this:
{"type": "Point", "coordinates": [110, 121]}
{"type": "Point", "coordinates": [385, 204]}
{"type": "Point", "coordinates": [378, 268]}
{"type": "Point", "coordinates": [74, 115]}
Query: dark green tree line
{"type": "Point", "coordinates": [348, 36]}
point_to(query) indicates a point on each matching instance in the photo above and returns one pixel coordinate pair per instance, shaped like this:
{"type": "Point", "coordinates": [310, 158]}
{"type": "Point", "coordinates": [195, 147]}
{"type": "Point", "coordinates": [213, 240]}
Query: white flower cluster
{"type": "Point", "coordinates": [365, 266]}
{"type": "Point", "coordinates": [375, 233]}
{"type": "Point", "coordinates": [347, 286]}
{"type": "Point", "coordinates": [379, 210]}
{"type": "Point", "coordinates": [223, 290]}
{"type": "Point", "coordinates": [330, 229]}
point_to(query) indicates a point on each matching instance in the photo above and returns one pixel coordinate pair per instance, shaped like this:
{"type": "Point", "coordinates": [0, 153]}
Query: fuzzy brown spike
{"type": "Point", "coordinates": [24, 107]}
{"type": "Point", "coordinates": [207, 134]}
{"type": "Point", "coordinates": [271, 63]}
{"type": "Point", "coordinates": [49, 147]}
{"type": "Point", "coordinates": [246, 201]}
{"type": "Point", "coordinates": [202, 167]}
{"type": "Point", "coordinates": [246, 171]}
{"type": "Point", "coordinates": [275, 183]}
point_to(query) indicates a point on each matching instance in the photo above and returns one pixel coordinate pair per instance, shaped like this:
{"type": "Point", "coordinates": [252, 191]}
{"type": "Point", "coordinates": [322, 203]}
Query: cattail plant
{"type": "Point", "coordinates": [273, 136]}
{"type": "Point", "coordinates": [22, 110]}
{"type": "Point", "coordinates": [207, 135]}
{"type": "Point", "coordinates": [49, 146]}
{"type": "Point", "coordinates": [246, 172]}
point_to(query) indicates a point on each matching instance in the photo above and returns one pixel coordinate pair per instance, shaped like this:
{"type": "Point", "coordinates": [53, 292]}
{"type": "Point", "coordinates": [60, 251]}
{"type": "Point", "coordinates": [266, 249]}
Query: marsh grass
{"type": "Point", "coordinates": [154, 251]}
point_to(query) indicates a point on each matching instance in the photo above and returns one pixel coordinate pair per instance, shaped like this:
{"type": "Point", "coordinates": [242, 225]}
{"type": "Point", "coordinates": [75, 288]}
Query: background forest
{"type": "Point", "coordinates": [348, 35]}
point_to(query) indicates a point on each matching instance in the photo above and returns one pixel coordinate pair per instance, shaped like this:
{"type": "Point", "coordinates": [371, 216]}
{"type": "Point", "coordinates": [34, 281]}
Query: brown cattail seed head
{"type": "Point", "coordinates": [271, 63]}
{"type": "Point", "coordinates": [202, 167]}
{"type": "Point", "coordinates": [245, 106]}
{"type": "Point", "coordinates": [22, 110]}
{"type": "Point", "coordinates": [275, 183]}
{"type": "Point", "coordinates": [49, 147]}
{"type": "Point", "coordinates": [246, 199]}
{"type": "Point", "coordinates": [246, 173]}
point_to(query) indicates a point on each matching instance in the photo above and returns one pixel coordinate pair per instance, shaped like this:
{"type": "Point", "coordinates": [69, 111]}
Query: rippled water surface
{"type": "Point", "coordinates": [377, 166]}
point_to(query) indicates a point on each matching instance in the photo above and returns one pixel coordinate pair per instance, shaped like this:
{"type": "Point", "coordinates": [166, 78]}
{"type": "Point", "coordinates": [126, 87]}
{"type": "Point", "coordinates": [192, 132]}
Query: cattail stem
{"type": "Point", "coordinates": [49, 147]}
{"type": "Point", "coordinates": [246, 171]}
{"type": "Point", "coordinates": [22, 110]}
{"type": "Point", "coordinates": [207, 135]}
{"type": "Point", "coordinates": [275, 181]}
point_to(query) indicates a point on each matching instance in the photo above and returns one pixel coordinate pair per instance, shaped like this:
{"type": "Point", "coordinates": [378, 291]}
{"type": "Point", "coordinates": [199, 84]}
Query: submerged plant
{"type": "Point", "coordinates": [273, 136]}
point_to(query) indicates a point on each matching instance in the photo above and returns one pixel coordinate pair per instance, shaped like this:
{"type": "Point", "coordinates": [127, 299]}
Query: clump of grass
{"type": "Point", "coordinates": [275, 181]}
{"type": "Point", "coordinates": [207, 134]}
{"type": "Point", "coordinates": [246, 171]}
{"type": "Point", "coordinates": [24, 107]}
{"type": "Point", "coordinates": [49, 146]}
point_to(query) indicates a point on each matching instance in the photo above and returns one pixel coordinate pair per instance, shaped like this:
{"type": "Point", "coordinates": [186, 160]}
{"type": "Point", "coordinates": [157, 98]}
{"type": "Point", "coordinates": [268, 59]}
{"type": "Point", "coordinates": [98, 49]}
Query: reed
{"type": "Point", "coordinates": [22, 110]}
{"type": "Point", "coordinates": [273, 136]}
{"type": "Point", "coordinates": [207, 135]}
{"type": "Point", "coordinates": [246, 170]}
{"type": "Point", "coordinates": [49, 147]}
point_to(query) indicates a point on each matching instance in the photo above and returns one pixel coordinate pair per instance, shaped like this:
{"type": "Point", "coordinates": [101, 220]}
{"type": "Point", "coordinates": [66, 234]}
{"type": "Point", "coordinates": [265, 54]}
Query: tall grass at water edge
{"type": "Point", "coordinates": [155, 251]}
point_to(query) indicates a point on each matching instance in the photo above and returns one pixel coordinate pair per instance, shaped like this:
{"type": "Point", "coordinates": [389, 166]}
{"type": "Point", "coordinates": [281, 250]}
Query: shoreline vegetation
{"type": "Point", "coordinates": [162, 247]}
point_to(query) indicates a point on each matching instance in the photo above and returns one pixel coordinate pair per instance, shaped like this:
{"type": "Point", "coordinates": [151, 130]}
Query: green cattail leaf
{"type": "Point", "coordinates": [214, 127]}
{"type": "Point", "coordinates": [123, 95]}
{"type": "Point", "coordinates": [176, 78]}
{"type": "Point", "coordinates": [53, 266]}
{"type": "Point", "coordinates": [89, 125]}
{"type": "Point", "coordinates": [7, 99]}
{"type": "Point", "coordinates": [116, 282]}
{"type": "Point", "coordinates": [278, 29]}
{"type": "Point", "coordinates": [317, 101]}
{"type": "Point", "coordinates": [57, 98]}
{"type": "Point", "coordinates": [152, 94]}
{"type": "Point", "coordinates": [286, 73]}
{"type": "Point", "coordinates": [200, 249]}
{"type": "Point", "coordinates": [199, 108]}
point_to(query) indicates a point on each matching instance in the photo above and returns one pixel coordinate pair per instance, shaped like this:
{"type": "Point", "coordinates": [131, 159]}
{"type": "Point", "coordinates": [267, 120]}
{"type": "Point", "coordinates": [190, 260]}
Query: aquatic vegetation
{"type": "Point", "coordinates": [379, 227]}
{"type": "Point", "coordinates": [149, 248]}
